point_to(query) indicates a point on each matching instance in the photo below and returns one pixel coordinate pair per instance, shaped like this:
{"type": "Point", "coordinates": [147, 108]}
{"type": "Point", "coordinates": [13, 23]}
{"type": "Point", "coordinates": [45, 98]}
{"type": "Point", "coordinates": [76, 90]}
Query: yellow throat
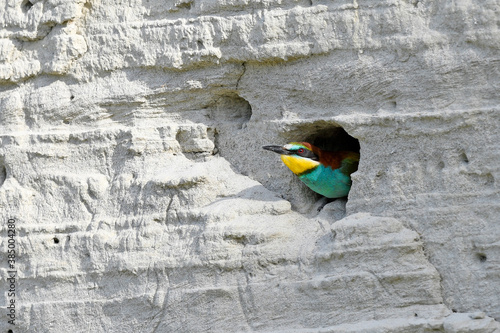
{"type": "Point", "coordinates": [297, 164]}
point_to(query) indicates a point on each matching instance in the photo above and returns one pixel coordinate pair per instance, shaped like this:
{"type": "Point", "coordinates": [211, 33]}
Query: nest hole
{"type": "Point", "coordinates": [26, 5]}
{"type": "Point", "coordinates": [334, 139]}
{"type": "Point", "coordinates": [328, 136]}
{"type": "Point", "coordinates": [481, 257]}
{"type": "Point", "coordinates": [464, 158]}
{"type": "Point", "coordinates": [232, 109]}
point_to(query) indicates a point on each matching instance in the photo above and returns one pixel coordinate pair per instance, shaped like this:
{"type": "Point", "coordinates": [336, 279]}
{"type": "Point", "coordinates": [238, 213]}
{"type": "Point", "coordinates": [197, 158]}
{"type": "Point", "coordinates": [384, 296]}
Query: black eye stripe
{"type": "Point", "coordinates": [305, 153]}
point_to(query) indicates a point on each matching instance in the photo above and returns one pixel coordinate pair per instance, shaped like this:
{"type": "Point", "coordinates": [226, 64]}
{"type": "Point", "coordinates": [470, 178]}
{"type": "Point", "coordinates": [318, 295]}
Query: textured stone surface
{"type": "Point", "coordinates": [130, 135]}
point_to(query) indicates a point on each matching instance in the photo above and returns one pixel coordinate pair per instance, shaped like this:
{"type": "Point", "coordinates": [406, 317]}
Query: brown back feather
{"type": "Point", "coordinates": [334, 159]}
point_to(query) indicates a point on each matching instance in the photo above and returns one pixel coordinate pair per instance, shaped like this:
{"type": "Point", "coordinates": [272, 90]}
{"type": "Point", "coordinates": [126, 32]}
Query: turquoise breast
{"type": "Point", "coordinates": [328, 182]}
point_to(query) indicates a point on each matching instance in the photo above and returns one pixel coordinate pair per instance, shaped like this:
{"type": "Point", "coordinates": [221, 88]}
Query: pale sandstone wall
{"type": "Point", "coordinates": [130, 135]}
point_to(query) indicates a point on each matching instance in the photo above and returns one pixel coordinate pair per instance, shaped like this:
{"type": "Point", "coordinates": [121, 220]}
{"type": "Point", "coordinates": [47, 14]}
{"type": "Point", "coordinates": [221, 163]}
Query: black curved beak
{"type": "Point", "coordinates": [277, 149]}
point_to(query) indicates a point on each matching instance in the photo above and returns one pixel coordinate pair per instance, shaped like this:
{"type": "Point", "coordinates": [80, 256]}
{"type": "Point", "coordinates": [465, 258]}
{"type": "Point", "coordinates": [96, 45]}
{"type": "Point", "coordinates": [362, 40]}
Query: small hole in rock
{"type": "Point", "coordinates": [464, 158]}
{"type": "Point", "coordinates": [26, 5]}
{"type": "Point", "coordinates": [231, 108]}
{"type": "Point", "coordinates": [482, 257]}
{"type": "Point", "coordinates": [489, 180]}
{"type": "Point", "coordinates": [72, 97]}
{"type": "Point", "coordinates": [454, 310]}
{"type": "Point", "coordinates": [56, 240]}
{"type": "Point", "coordinates": [10, 331]}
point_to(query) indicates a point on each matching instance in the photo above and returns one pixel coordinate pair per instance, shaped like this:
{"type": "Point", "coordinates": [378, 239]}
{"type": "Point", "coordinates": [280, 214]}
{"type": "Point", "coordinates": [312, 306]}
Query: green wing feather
{"type": "Point", "coordinates": [349, 163]}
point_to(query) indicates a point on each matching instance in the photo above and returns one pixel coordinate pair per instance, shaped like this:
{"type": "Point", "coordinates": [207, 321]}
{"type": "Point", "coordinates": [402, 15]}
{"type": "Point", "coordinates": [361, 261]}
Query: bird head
{"type": "Point", "coordinates": [300, 157]}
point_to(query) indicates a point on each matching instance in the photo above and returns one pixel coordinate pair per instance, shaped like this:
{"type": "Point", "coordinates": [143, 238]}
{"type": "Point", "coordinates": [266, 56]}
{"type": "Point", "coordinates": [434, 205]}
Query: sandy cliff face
{"type": "Point", "coordinates": [131, 162]}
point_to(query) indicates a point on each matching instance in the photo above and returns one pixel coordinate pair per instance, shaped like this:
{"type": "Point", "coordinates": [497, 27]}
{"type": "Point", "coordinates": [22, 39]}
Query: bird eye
{"type": "Point", "coordinates": [300, 151]}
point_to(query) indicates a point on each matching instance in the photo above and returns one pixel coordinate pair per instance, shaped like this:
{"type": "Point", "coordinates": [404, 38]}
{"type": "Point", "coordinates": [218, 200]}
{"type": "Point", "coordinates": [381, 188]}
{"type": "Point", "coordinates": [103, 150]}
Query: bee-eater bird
{"type": "Point", "coordinates": [325, 172]}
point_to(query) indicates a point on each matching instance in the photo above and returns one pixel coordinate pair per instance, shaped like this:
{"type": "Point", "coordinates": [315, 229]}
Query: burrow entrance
{"type": "Point", "coordinates": [326, 135]}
